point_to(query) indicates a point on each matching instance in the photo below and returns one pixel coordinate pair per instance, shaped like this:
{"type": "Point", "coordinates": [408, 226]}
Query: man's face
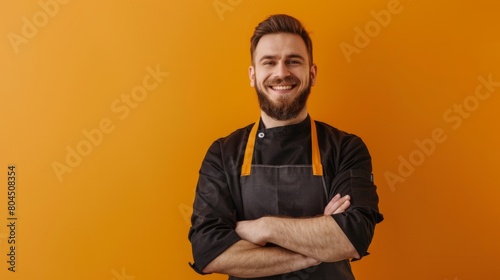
{"type": "Point", "coordinates": [282, 75]}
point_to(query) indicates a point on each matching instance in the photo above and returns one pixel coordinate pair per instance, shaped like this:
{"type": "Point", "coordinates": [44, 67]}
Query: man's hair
{"type": "Point", "coordinates": [281, 24]}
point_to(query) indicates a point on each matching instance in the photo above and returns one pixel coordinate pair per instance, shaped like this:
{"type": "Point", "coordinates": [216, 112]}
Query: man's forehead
{"type": "Point", "coordinates": [281, 44]}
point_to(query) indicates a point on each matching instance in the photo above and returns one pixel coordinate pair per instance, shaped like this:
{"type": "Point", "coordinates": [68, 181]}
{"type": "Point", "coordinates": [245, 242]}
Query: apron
{"type": "Point", "coordinates": [282, 190]}
{"type": "Point", "coordinates": [291, 191]}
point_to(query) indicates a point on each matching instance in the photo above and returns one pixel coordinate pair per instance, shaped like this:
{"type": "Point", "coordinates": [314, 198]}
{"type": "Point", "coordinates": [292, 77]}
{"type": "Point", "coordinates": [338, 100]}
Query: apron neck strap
{"type": "Point", "coordinates": [317, 168]}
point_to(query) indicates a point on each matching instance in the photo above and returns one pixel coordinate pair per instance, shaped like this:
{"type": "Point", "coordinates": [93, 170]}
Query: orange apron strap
{"type": "Point", "coordinates": [316, 156]}
{"type": "Point", "coordinates": [317, 167]}
{"type": "Point", "coordinates": [247, 159]}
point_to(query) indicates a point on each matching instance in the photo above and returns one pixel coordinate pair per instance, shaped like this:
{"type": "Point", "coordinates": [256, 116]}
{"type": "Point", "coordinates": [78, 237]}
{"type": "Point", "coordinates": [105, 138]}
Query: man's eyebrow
{"type": "Point", "coordinates": [293, 55]}
{"type": "Point", "coordinates": [267, 57]}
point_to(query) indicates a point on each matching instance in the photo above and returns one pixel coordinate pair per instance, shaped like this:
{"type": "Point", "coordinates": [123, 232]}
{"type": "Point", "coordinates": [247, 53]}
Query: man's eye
{"type": "Point", "coordinates": [269, 63]}
{"type": "Point", "coordinates": [293, 62]}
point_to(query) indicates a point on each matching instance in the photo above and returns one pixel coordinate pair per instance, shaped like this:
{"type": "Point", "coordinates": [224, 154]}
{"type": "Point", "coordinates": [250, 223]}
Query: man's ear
{"type": "Point", "coordinates": [251, 75]}
{"type": "Point", "coordinates": [314, 72]}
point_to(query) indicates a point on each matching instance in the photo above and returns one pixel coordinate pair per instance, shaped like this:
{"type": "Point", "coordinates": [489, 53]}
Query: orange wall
{"type": "Point", "coordinates": [108, 107]}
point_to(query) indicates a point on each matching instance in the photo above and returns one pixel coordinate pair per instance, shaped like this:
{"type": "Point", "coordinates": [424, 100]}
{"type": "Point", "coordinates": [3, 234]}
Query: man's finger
{"type": "Point", "coordinates": [329, 209]}
{"type": "Point", "coordinates": [343, 207]}
{"type": "Point", "coordinates": [334, 205]}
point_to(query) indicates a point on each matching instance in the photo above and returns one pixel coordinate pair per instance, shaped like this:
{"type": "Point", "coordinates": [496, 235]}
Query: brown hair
{"type": "Point", "coordinates": [277, 24]}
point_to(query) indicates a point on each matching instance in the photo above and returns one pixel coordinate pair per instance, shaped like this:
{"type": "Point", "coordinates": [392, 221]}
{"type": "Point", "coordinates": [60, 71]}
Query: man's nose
{"type": "Point", "coordinates": [282, 70]}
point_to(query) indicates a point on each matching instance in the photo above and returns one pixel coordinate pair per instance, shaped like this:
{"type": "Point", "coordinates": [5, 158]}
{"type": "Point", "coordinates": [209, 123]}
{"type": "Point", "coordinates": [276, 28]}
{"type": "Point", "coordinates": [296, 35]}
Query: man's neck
{"type": "Point", "coordinates": [270, 122]}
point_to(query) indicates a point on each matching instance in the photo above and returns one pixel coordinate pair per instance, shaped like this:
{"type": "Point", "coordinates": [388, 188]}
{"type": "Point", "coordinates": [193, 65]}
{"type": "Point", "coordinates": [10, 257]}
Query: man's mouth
{"type": "Point", "coordinates": [282, 87]}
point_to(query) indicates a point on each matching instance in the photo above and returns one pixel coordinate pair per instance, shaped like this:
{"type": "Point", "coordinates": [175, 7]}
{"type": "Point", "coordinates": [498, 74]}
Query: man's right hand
{"type": "Point", "coordinates": [337, 205]}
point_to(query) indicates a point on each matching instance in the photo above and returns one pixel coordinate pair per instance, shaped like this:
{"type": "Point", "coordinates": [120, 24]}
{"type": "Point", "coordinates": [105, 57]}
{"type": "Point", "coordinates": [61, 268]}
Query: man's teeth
{"type": "Point", "coordinates": [282, 87]}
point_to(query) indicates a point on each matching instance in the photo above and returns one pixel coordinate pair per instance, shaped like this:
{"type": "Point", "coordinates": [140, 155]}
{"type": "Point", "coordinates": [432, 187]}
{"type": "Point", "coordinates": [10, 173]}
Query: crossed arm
{"type": "Point", "coordinates": [301, 243]}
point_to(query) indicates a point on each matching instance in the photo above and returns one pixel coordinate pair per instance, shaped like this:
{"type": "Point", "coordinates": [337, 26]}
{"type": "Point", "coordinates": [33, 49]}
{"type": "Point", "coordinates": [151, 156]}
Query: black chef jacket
{"type": "Point", "coordinates": [347, 170]}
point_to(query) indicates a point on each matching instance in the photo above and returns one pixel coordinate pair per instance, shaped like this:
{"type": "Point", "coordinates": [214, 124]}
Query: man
{"type": "Point", "coordinates": [287, 197]}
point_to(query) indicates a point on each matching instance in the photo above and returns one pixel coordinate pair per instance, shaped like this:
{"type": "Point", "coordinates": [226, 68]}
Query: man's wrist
{"type": "Point", "coordinates": [265, 228]}
{"type": "Point", "coordinates": [268, 228]}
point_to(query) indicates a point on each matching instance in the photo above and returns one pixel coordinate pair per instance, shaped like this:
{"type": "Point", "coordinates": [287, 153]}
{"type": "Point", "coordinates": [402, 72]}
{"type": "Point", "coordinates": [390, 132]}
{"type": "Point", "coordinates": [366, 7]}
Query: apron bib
{"type": "Point", "coordinates": [282, 190]}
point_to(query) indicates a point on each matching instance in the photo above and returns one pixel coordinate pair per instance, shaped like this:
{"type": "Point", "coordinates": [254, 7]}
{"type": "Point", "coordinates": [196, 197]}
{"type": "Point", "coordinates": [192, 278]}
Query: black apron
{"type": "Point", "coordinates": [291, 191]}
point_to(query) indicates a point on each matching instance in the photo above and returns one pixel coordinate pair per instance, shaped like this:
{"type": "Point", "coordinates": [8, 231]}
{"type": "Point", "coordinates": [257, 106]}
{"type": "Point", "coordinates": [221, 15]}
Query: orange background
{"type": "Point", "coordinates": [124, 208]}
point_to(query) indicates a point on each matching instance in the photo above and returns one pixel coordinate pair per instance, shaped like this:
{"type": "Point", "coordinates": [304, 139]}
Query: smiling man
{"type": "Point", "coordinates": [287, 197]}
{"type": "Point", "coordinates": [282, 76]}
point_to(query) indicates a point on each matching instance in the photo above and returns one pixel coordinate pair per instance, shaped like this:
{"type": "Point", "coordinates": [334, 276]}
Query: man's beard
{"type": "Point", "coordinates": [286, 107]}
